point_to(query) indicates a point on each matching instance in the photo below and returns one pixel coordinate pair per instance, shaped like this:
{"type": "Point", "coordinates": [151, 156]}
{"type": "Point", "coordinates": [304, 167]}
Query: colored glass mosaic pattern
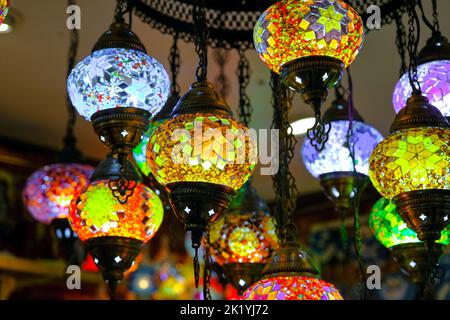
{"type": "Point", "coordinates": [118, 78]}
{"type": "Point", "coordinates": [49, 191]}
{"type": "Point", "coordinates": [243, 238]}
{"type": "Point", "coordinates": [292, 29]}
{"type": "Point", "coordinates": [390, 229]}
{"type": "Point", "coordinates": [292, 288]}
{"type": "Point", "coordinates": [434, 79]}
{"type": "Point", "coordinates": [97, 213]}
{"type": "Point", "coordinates": [202, 148]}
{"type": "Point", "coordinates": [335, 157]}
{"type": "Point", "coordinates": [412, 159]}
{"type": "Point", "coordinates": [140, 152]}
{"type": "Point", "coordinates": [4, 8]}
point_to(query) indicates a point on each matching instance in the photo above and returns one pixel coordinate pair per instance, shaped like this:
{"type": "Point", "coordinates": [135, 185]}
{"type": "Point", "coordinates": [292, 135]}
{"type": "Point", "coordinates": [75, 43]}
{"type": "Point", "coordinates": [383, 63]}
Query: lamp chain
{"type": "Point", "coordinates": [413, 43]}
{"type": "Point", "coordinates": [201, 39]}
{"type": "Point", "coordinates": [283, 181]}
{"type": "Point", "coordinates": [175, 62]}
{"type": "Point", "coordinates": [356, 189]}
{"type": "Point", "coordinates": [318, 135]}
{"type": "Point", "coordinates": [434, 25]}
{"type": "Point", "coordinates": [222, 83]}
{"type": "Point", "coordinates": [243, 74]}
{"type": "Point", "coordinates": [435, 17]}
{"type": "Point", "coordinates": [121, 9]}
{"type": "Point", "coordinates": [400, 42]}
{"type": "Point", "coordinates": [207, 270]}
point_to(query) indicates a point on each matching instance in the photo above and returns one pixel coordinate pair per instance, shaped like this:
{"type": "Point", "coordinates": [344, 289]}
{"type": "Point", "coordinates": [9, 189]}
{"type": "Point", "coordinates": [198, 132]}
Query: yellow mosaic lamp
{"type": "Point", "coordinates": [309, 43]}
{"type": "Point", "coordinates": [411, 168]}
{"type": "Point", "coordinates": [202, 156]}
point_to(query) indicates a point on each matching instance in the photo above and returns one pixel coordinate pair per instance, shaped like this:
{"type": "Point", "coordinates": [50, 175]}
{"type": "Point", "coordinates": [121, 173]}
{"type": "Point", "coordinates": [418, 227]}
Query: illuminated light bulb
{"type": "Point", "coordinates": [112, 230]}
{"type": "Point", "coordinates": [243, 240]}
{"type": "Point", "coordinates": [300, 126]}
{"type": "Point", "coordinates": [410, 167]}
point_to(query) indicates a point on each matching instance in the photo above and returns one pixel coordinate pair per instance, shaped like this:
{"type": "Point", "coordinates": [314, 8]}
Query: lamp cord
{"type": "Point", "coordinates": [201, 39]}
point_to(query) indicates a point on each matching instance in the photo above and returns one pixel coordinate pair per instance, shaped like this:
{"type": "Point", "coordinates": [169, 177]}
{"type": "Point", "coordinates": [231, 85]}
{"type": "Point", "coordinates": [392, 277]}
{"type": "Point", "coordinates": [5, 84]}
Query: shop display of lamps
{"type": "Point", "coordinates": [113, 231]}
{"type": "Point", "coordinates": [243, 240]}
{"type": "Point", "coordinates": [119, 88]}
{"type": "Point", "coordinates": [334, 164]}
{"type": "Point", "coordinates": [393, 233]}
{"type": "Point", "coordinates": [309, 43]}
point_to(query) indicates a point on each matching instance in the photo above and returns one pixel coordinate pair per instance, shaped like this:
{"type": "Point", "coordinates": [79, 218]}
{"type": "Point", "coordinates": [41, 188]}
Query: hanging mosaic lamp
{"type": "Point", "coordinates": [4, 8]}
{"type": "Point", "coordinates": [119, 88]}
{"type": "Point", "coordinates": [334, 165]}
{"type": "Point", "coordinates": [113, 231]}
{"type": "Point", "coordinates": [290, 275]}
{"type": "Point", "coordinates": [202, 156]}
{"type": "Point", "coordinates": [393, 233]}
{"type": "Point", "coordinates": [411, 168]}
{"type": "Point", "coordinates": [309, 43]}
{"type": "Point", "coordinates": [243, 240]}
{"type": "Point", "coordinates": [433, 76]}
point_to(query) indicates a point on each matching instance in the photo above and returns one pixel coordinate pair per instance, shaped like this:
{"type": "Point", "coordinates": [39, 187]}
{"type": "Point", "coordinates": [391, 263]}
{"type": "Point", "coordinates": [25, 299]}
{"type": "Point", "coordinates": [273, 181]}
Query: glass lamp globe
{"type": "Point", "coordinates": [49, 191]}
{"type": "Point", "coordinates": [4, 8]}
{"type": "Point", "coordinates": [434, 79]}
{"type": "Point", "coordinates": [202, 147]}
{"type": "Point", "coordinates": [335, 157]}
{"type": "Point", "coordinates": [293, 29]}
{"type": "Point", "coordinates": [118, 78]}
{"type": "Point", "coordinates": [390, 229]}
{"type": "Point", "coordinates": [97, 213]}
{"type": "Point", "coordinates": [292, 288]}
{"type": "Point", "coordinates": [411, 159]}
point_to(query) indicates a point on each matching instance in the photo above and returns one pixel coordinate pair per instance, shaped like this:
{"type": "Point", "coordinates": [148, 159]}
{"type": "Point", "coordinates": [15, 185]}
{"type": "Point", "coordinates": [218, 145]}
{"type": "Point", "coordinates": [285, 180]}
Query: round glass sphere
{"type": "Point", "coordinates": [292, 288]}
{"type": "Point", "coordinates": [335, 157]}
{"type": "Point", "coordinates": [411, 159]}
{"type": "Point", "coordinates": [293, 29]}
{"type": "Point", "coordinates": [4, 8]}
{"type": "Point", "coordinates": [434, 79]}
{"type": "Point", "coordinates": [118, 78]}
{"type": "Point", "coordinates": [97, 213]}
{"type": "Point", "coordinates": [140, 152]}
{"type": "Point", "coordinates": [390, 229]}
{"type": "Point", "coordinates": [243, 238]}
{"type": "Point", "coordinates": [49, 191]}
{"type": "Point", "coordinates": [202, 148]}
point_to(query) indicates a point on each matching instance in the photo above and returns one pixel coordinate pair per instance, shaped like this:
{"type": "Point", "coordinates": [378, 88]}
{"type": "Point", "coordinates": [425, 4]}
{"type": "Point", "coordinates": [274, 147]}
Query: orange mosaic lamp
{"type": "Point", "coordinates": [243, 240]}
{"type": "Point", "coordinates": [309, 43]}
{"type": "Point", "coordinates": [411, 168]}
{"type": "Point", "coordinates": [202, 156]}
{"type": "Point", "coordinates": [113, 231]}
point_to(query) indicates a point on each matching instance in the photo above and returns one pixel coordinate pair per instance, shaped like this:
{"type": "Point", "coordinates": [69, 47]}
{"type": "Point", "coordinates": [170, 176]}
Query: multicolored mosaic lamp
{"type": "Point", "coordinates": [411, 167]}
{"type": "Point", "coordinates": [309, 43]}
{"type": "Point", "coordinates": [202, 156]}
{"type": "Point", "coordinates": [393, 233]}
{"type": "Point", "coordinates": [113, 231]}
{"type": "Point", "coordinates": [243, 240]}
{"type": "Point", "coordinates": [4, 8]}
{"type": "Point", "coordinates": [334, 165]}
{"type": "Point", "coordinates": [119, 88]}
{"type": "Point", "coordinates": [433, 76]}
{"type": "Point", "coordinates": [290, 275]}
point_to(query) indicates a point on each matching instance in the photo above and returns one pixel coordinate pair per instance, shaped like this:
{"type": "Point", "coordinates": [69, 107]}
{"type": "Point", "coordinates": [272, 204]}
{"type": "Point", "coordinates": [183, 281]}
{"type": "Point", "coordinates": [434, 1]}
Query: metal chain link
{"type": "Point", "coordinates": [175, 66]}
{"type": "Point", "coordinates": [413, 44]}
{"type": "Point", "coordinates": [436, 25]}
{"type": "Point", "coordinates": [120, 10]}
{"type": "Point", "coordinates": [400, 42]}
{"type": "Point", "coordinates": [221, 82]}
{"type": "Point", "coordinates": [201, 39]}
{"type": "Point", "coordinates": [207, 270]}
{"type": "Point", "coordinates": [243, 73]}
{"type": "Point", "coordinates": [283, 181]}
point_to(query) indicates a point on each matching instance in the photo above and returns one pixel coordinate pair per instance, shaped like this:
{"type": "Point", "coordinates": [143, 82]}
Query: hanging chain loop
{"type": "Point", "coordinates": [319, 133]}
{"type": "Point", "coordinates": [175, 63]}
{"type": "Point", "coordinates": [243, 74]}
{"type": "Point", "coordinates": [400, 42]}
{"type": "Point", "coordinates": [222, 83]}
{"type": "Point", "coordinates": [201, 39]}
{"type": "Point", "coordinates": [413, 44]}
